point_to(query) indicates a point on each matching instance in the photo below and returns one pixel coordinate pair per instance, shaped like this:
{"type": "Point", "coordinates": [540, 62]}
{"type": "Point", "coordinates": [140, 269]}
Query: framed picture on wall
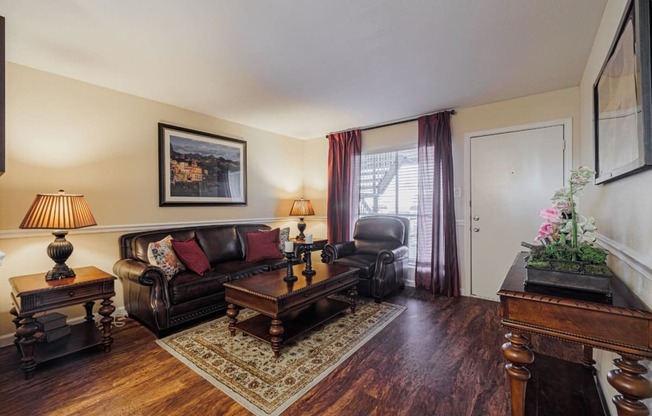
{"type": "Point", "coordinates": [200, 168]}
{"type": "Point", "coordinates": [623, 99]}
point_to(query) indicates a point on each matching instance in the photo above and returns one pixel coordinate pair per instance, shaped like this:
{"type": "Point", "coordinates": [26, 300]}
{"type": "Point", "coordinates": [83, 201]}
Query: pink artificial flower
{"type": "Point", "coordinates": [545, 231]}
{"type": "Point", "coordinates": [551, 215]}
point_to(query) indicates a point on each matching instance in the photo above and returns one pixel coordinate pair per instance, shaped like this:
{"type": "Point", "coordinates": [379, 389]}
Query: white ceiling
{"type": "Point", "coordinates": [305, 68]}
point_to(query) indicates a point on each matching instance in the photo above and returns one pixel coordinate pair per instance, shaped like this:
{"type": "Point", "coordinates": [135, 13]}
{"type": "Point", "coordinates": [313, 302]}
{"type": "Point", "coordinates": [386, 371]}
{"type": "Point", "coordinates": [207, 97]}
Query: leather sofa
{"type": "Point", "coordinates": [163, 305]}
{"type": "Point", "coordinates": [379, 250]}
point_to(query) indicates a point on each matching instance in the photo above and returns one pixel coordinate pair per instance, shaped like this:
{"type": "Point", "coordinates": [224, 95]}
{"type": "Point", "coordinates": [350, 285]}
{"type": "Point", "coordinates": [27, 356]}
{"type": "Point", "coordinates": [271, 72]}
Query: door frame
{"type": "Point", "coordinates": [566, 123]}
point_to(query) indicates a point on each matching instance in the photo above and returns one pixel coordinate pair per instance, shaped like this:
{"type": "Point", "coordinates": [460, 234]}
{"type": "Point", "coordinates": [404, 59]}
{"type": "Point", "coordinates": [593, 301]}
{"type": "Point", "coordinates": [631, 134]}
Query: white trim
{"type": "Point", "coordinates": [566, 123]}
{"type": "Point", "coordinates": [626, 254]}
{"type": "Point", "coordinates": [127, 228]}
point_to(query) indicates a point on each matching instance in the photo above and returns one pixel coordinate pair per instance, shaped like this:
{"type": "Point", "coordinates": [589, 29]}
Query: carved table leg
{"type": "Point", "coordinates": [105, 310]}
{"type": "Point", "coordinates": [276, 330]}
{"type": "Point", "coordinates": [89, 311]}
{"type": "Point", "coordinates": [232, 312]}
{"type": "Point", "coordinates": [26, 333]}
{"type": "Point", "coordinates": [16, 322]}
{"type": "Point", "coordinates": [587, 359]}
{"type": "Point", "coordinates": [518, 353]}
{"type": "Point", "coordinates": [628, 379]}
{"type": "Point", "coordinates": [353, 293]}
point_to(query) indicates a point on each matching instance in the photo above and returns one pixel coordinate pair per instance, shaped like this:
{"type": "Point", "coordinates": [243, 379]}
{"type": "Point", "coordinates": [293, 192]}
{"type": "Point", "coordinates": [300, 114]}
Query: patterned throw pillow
{"type": "Point", "coordinates": [160, 254]}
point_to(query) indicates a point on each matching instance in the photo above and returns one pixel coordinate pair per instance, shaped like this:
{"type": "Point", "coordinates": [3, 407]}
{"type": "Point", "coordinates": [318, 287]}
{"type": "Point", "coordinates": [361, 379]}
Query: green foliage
{"type": "Point", "coordinates": [563, 257]}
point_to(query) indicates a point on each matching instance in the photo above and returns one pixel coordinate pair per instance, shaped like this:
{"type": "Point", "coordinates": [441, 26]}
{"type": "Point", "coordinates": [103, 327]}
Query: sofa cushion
{"type": "Point", "coordinates": [238, 269]}
{"type": "Point", "coordinates": [262, 245]}
{"type": "Point", "coordinates": [283, 237]}
{"type": "Point", "coordinates": [188, 285]}
{"type": "Point", "coordinates": [220, 244]}
{"type": "Point", "coordinates": [161, 254]}
{"type": "Point", "coordinates": [365, 262]}
{"type": "Point", "coordinates": [140, 242]}
{"type": "Point", "coordinates": [191, 255]}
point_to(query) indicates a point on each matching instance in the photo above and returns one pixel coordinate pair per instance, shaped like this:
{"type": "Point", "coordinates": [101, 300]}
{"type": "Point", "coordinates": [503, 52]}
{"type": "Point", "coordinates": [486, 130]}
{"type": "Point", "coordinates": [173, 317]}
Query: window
{"type": "Point", "coordinates": [388, 185]}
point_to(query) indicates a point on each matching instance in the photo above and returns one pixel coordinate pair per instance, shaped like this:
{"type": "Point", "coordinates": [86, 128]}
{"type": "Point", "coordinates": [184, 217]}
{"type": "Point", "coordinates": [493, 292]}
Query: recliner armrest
{"type": "Point", "coordinates": [334, 251]}
{"type": "Point", "coordinates": [389, 256]}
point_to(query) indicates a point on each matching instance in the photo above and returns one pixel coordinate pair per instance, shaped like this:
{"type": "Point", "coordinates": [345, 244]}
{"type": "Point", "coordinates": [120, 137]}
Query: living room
{"type": "Point", "coordinates": [64, 133]}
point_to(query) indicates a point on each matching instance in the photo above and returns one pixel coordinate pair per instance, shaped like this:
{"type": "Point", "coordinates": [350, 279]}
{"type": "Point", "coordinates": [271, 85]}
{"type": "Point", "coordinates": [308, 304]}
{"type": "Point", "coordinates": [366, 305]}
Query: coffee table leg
{"type": "Point", "coordinates": [353, 294]}
{"type": "Point", "coordinates": [276, 330]}
{"type": "Point", "coordinates": [232, 312]}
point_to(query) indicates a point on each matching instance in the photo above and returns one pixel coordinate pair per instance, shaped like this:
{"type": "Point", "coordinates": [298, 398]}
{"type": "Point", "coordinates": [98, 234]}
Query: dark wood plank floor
{"type": "Point", "coordinates": [440, 357]}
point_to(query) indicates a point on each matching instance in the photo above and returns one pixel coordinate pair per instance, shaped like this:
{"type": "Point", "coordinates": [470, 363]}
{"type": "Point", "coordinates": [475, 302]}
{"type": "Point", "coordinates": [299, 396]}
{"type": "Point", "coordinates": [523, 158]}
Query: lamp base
{"type": "Point", "coordinates": [59, 250]}
{"type": "Point", "coordinates": [302, 227]}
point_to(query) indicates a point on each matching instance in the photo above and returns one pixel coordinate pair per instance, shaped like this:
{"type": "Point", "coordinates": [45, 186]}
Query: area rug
{"type": "Point", "coordinates": [245, 368]}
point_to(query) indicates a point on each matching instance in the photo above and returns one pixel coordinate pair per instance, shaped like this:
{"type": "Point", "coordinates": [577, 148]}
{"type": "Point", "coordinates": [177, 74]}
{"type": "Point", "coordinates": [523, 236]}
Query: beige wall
{"type": "Point", "coordinates": [621, 208]}
{"type": "Point", "coordinates": [62, 133]}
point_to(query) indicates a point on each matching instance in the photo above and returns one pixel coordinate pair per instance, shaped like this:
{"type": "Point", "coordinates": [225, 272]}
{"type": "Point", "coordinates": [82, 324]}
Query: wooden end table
{"type": "Point", "coordinates": [32, 294]}
{"type": "Point", "coordinates": [287, 310]}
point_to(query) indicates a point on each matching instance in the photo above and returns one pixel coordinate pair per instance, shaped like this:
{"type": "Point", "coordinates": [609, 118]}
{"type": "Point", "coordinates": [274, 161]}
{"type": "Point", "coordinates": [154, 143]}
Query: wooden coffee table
{"type": "Point", "coordinates": [287, 310]}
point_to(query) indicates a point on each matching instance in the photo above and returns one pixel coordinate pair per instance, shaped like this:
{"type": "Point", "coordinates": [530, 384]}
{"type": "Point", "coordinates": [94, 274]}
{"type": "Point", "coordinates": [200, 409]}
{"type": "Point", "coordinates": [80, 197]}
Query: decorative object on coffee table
{"type": "Point", "coordinates": [306, 249]}
{"type": "Point", "coordinates": [566, 257]}
{"type": "Point", "coordinates": [301, 208]}
{"type": "Point", "coordinates": [289, 255]}
{"type": "Point", "coordinates": [60, 212]}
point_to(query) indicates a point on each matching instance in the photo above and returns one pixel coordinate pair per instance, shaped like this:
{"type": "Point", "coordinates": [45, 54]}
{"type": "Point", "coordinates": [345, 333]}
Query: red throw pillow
{"type": "Point", "coordinates": [191, 255]}
{"type": "Point", "coordinates": [262, 245]}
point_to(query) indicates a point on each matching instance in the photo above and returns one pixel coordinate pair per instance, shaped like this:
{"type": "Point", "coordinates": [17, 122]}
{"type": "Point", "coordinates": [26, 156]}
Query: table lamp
{"type": "Point", "coordinates": [60, 212]}
{"type": "Point", "coordinates": [301, 208]}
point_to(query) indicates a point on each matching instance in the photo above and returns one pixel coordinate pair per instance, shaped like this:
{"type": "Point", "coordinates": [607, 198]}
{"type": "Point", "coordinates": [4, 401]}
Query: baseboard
{"type": "Point", "coordinates": [121, 312]}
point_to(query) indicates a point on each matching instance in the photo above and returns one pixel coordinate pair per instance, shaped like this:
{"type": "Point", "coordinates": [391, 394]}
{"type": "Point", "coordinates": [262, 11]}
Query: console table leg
{"type": "Point", "coordinates": [518, 353]}
{"type": "Point", "coordinates": [587, 359]}
{"type": "Point", "coordinates": [89, 311]}
{"type": "Point", "coordinates": [276, 330]}
{"type": "Point", "coordinates": [26, 333]}
{"type": "Point", "coordinates": [232, 312]}
{"type": "Point", "coordinates": [630, 382]}
{"type": "Point", "coordinates": [106, 310]}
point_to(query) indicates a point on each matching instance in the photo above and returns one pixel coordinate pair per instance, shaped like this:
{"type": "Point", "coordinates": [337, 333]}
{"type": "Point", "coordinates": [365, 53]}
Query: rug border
{"type": "Point", "coordinates": [255, 409]}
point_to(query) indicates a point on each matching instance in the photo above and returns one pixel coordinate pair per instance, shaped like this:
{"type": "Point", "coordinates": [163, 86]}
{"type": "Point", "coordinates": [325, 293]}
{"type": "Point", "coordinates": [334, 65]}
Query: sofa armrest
{"type": "Point", "coordinates": [334, 251]}
{"type": "Point", "coordinates": [139, 272]}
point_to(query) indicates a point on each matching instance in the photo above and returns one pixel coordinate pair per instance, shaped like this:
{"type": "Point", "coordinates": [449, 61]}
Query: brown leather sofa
{"type": "Point", "coordinates": [163, 305]}
{"type": "Point", "coordinates": [379, 250]}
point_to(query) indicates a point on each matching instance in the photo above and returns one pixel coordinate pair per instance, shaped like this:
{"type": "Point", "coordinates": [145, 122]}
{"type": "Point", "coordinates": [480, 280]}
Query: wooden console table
{"type": "Point", "coordinates": [624, 327]}
{"type": "Point", "coordinates": [32, 294]}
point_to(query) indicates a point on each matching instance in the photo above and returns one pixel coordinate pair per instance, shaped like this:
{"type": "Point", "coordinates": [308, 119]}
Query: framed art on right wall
{"type": "Point", "coordinates": [622, 99]}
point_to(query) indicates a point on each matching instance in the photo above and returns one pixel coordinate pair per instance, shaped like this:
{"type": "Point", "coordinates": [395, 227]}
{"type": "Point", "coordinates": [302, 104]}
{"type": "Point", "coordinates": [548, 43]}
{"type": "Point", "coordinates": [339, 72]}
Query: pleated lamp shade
{"type": "Point", "coordinates": [58, 211]}
{"type": "Point", "coordinates": [301, 208]}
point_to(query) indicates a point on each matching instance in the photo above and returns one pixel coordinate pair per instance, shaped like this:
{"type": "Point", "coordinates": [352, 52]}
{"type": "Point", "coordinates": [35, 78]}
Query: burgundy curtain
{"type": "Point", "coordinates": [436, 261]}
{"type": "Point", "coordinates": [343, 193]}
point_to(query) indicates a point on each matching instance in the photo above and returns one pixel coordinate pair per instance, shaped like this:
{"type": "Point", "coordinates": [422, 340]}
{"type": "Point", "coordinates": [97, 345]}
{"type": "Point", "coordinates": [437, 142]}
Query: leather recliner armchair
{"type": "Point", "coordinates": [379, 249]}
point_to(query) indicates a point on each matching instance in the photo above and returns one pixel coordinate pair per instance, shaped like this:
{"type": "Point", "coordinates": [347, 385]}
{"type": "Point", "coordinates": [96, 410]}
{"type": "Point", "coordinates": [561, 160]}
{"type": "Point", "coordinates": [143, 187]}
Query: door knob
{"type": "Point", "coordinates": [476, 218]}
{"type": "Point", "coordinates": [475, 230]}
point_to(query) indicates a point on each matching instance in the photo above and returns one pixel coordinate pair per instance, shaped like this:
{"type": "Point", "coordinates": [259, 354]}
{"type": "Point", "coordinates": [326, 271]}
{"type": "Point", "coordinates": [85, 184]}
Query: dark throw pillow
{"type": "Point", "coordinates": [191, 255]}
{"type": "Point", "coordinates": [262, 245]}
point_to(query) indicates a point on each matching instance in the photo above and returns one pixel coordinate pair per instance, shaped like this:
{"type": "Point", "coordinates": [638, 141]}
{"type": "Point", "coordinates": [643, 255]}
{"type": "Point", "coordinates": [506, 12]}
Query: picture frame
{"type": "Point", "coordinates": [199, 168]}
{"type": "Point", "coordinates": [622, 95]}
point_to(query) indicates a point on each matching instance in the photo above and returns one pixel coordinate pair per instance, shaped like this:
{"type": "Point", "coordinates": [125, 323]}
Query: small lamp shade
{"type": "Point", "coordinates": [59, 212]}
{"type": "Point", "coordinates": [301, 208]}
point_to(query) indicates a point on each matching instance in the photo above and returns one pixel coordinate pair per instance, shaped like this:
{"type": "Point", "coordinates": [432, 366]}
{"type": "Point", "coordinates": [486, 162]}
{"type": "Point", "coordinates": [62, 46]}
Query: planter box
{"type": "Point", "coordinates": [568, 280]}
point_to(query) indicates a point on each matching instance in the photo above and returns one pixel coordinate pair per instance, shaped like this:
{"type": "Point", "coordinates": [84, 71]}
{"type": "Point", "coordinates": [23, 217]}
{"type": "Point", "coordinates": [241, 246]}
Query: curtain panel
{"type": "Point", "coordinates": [436, 261]}
{"type": "Point", "coordinates": [343, 191]}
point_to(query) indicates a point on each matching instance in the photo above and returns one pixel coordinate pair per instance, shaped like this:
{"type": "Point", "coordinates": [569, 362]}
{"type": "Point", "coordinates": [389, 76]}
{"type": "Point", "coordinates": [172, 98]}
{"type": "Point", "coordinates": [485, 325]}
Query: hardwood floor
{"type": "Point", "coordinates": [440, 357]}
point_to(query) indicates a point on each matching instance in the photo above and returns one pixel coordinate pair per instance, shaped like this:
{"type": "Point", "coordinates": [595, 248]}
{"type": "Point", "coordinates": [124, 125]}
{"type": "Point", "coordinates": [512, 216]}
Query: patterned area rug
{"type": "Point", "coordinates": [244, 367]}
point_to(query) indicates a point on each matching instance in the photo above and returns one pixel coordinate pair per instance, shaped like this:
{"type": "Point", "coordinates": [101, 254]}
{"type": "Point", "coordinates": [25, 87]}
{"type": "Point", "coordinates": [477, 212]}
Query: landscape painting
{"type": "Point", "coordinates": [200, 168]}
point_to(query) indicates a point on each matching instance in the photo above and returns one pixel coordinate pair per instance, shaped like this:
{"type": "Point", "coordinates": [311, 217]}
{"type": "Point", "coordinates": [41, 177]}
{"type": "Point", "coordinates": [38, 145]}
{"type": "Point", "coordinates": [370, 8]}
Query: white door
{"type": "Point", "coordinates": [513, 176]}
